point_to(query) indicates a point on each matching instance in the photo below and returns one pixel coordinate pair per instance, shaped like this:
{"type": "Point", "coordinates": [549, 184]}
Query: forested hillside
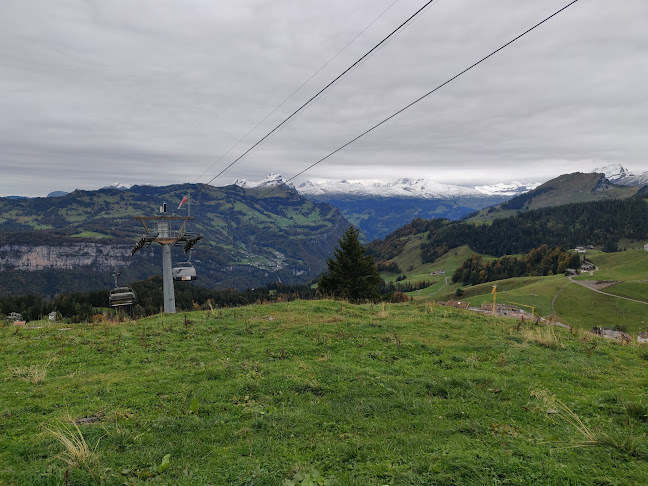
{"type": "Point", "coordinates": [540, 261]}
{"type": "Point", "coordinates": [596, 223]}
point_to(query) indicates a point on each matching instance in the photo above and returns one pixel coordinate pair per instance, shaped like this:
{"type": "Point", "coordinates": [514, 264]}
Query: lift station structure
{"type": "Point", "coordinates": [166, 236]}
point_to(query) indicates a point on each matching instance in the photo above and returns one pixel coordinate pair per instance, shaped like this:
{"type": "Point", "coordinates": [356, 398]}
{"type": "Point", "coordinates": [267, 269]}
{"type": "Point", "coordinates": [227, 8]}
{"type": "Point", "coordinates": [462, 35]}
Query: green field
{"type": "Point", "coordinates": [632, 290]}
{"type": "Point", "coordinates": [531, 291]}
{"type": "Point", "coordinates": [576, 306]}
{"type": "Point", "coordinates": [408, 394]}
{"type": "Point", "coordinates": [583, 308]}
{"type": "Point", "coordinates": [623, 265]}
{"type": "Point", "coordinates": [411, 258]}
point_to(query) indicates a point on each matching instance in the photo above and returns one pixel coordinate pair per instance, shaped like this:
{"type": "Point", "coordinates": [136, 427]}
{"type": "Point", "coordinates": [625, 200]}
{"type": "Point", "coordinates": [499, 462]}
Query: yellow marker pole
{"type": "Point", "coordinates": [494, 292]}
{"type": "Point", "coordinates": [525, 305]}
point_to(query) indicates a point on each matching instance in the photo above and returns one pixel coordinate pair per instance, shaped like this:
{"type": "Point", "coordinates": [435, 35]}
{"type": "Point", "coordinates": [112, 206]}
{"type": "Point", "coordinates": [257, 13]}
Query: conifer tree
{"type": "Point", "coordinates": [351, 273]}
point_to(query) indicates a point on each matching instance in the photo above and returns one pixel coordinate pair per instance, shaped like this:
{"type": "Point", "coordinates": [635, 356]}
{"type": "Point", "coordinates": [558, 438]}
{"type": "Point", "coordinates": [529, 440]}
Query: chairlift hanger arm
{"type": "Point", "coordinates": [190, 243]}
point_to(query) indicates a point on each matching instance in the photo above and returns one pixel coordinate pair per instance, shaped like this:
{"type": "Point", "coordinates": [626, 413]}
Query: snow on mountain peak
{"type": "Point", "coordinates": [119, 186]}
{"type": "Point", "coordinates": [614, 172]}
{"type": "Point", "coordinates": [271, 180]}
{"type": "Point", "coordinates": [407, 187]}
{"type": "Point", "coordinates": [511, 189]}
{"type": "Point", "coordinates": [618, 174]}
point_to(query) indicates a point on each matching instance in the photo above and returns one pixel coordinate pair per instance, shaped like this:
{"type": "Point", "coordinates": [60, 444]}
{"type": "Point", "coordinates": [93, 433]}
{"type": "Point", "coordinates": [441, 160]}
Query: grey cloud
{"type": "Point", "coordinates": [154, 91]}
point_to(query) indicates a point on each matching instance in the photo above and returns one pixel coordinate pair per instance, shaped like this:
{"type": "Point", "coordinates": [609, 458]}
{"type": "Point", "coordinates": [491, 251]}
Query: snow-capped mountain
{"type": "Point", "coordinates": [618, 174]}
{"type": "Point", "coordinates": [119, 186]}
{"type": "Point", "coordinates": [514, 188]}
{"type": "Point", "coordinates": [405, 187]}
{"type": "Point", "coordinates": [271, 180]}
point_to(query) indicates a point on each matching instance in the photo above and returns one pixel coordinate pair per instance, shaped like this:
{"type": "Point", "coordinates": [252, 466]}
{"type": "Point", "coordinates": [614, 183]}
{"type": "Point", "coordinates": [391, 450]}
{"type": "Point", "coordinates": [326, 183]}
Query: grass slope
{"type": "Point", "coordinates": [408, 394]}
{"type": "Point", "coordinates": [623, 265]}
{"type": "Point", "coordinates": [410, 258]}
{"type": "Point", "coordinates": [583, 308]}
{"type": "Point", "coordinates": [572, 304]}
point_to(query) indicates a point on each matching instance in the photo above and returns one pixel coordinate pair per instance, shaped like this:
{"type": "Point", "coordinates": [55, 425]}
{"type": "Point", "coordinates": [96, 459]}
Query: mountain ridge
{"type": "Point", "coordinates": [248, 240]}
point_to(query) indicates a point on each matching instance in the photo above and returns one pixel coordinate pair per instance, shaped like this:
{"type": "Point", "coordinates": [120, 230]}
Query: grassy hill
{"type": "Point", "coordinates": [553, 296]}
{"type": "Point", "coordinates": [566, 189]}
{"type": "Point", "coordinates": [354, 395]}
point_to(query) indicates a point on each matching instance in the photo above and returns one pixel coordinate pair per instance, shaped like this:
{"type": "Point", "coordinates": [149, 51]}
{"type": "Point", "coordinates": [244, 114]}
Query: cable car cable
{"type": "Point", "coordinates": [298, 89]}
{"type": "Point", "coordinates": [423, 97]}
{"type": "Point", "coordinates": [336, 79]}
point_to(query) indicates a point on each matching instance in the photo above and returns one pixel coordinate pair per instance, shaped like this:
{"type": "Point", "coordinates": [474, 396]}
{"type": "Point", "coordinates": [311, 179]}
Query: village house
{"type": "Point", "coordinates": [646, 247]}
{"type": "Point", "coordinates": [52, 316]}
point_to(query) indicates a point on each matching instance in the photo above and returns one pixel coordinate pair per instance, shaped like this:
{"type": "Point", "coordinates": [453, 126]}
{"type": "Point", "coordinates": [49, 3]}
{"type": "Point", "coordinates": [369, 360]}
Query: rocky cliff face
{"type": "Point", "coordinates": [64, 257]}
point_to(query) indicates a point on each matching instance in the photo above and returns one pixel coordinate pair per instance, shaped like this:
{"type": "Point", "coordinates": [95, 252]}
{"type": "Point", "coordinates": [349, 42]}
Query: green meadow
{"type": "Point", "coordinates": [321, 392]}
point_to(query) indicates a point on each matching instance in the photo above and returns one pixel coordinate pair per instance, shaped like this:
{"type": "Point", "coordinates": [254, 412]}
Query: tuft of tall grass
{"type": "Point", "coordinates": [33, 374]}
{"type": "Point", "coordinates": [76, 452]}
{"type": "Point", "coordinates": [553, 405]}
{"type": "Point", "coordinates": [544, 335]}
{"type": "Point", "coordinates": [621, 440]}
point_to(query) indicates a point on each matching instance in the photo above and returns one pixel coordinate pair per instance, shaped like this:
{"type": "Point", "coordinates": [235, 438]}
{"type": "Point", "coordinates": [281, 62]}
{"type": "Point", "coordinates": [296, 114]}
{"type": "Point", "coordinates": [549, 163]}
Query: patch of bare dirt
{"type": "Point", "coordinates": [598, 284]}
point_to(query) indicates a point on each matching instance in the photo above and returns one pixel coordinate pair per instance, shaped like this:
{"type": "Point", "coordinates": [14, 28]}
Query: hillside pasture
{"type": "Point", "coordinates": [623, 265]}
{"type": "Point", "coordinates": [584, 308]}
{"type": "Point", "coordinates": [355, 395]}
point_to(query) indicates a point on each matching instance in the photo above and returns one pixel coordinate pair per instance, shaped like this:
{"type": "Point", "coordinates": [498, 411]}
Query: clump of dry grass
{"type": "Point", "coordinates": [76, 452]}
{"type": "Point", "coordinates": [621, 440]}
{"type": "Point", "coordinates": [33, 374]}
{"type": "Point", "coordinates": [545, 335]}
{"type": "Point", "coordinates": [555, 406]}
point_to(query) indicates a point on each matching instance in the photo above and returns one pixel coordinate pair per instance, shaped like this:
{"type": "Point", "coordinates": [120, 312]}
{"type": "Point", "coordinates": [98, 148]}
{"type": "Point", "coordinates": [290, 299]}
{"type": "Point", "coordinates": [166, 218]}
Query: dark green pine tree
{"type": "Point", "coordinates": [351, 274]}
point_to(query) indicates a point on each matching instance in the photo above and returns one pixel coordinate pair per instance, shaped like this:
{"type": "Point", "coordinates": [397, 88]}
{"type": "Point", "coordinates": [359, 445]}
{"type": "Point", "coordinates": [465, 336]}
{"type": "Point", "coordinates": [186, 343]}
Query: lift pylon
{"type": "Point", "coordinates": [167, 237]}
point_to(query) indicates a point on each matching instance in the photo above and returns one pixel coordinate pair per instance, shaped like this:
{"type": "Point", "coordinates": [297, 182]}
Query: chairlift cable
{"type": "Point", "coordinates": [331, 83]}
{"type": "Point", "coordinates": [238, 142]}
{"type": "Point", "coordinates": [424, 96]}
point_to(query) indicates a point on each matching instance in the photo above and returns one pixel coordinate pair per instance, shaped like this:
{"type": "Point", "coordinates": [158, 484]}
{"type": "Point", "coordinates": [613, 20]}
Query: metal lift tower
{"type": "Point", "coordinates": [167, 237]}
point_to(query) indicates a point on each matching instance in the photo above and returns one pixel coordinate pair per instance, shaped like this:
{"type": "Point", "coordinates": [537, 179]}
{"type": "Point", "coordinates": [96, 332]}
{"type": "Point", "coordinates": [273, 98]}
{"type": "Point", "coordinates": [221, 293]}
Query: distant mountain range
{"type": "Point", "coordinates": [565, 189]}
{"type": "Point", "coordinates": [74, 242]}
{"type": "Point", "coordinates": [378, 207]}
{"type": "Point", "coordinates": [400, 188]}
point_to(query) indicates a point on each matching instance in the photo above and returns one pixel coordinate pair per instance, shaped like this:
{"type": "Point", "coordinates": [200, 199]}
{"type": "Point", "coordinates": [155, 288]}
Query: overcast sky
{"type": "Point", "coordinates": [155, 91]}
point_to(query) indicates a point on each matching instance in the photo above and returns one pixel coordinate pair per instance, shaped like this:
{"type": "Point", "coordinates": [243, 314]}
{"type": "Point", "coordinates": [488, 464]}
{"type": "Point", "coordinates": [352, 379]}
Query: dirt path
{"type": "Point", "coordinates": [553, 301]}
{"type": "Point", "coordinates": [442, 287]}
